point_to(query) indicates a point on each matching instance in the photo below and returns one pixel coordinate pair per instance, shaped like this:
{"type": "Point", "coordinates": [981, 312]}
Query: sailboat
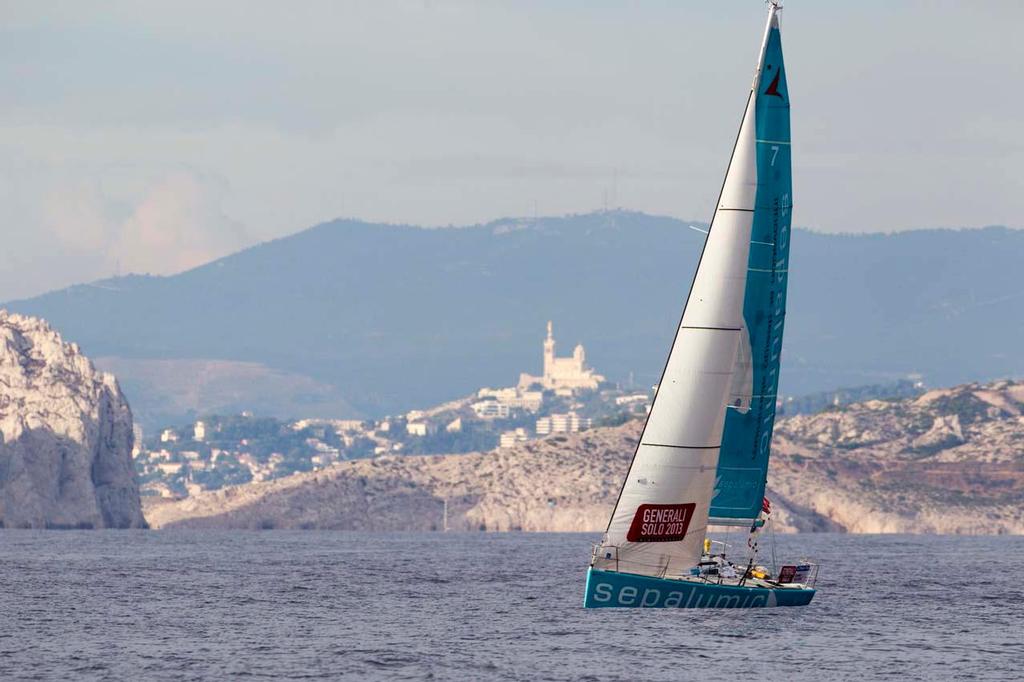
{"type": "Point", "coordinates": [702, 458]}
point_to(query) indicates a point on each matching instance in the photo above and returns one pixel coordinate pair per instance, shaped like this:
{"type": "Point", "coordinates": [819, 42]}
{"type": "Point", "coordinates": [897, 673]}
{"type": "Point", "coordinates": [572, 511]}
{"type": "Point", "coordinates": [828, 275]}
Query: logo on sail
{"type": "Point", "coordinates": [773, 87]}
{"type": "Point", "coordinates": [661, 522]}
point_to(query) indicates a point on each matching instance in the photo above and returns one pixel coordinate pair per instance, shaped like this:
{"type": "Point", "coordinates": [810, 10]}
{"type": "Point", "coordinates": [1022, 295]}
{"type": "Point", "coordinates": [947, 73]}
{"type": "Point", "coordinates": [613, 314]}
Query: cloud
{"type": "Point", "coordinates": [177, 225]}
{"type": "Point", "coordinates": [78, 216]}
{"type": "Point", "coordinates": [81, 224]}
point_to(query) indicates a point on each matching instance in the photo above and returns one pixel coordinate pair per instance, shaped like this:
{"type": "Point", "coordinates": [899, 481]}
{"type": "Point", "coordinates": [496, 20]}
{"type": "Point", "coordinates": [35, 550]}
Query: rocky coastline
{"type": "Point", "coordinates": [950, 461]}
{"type": "Point", "coordinates": [65, 435]}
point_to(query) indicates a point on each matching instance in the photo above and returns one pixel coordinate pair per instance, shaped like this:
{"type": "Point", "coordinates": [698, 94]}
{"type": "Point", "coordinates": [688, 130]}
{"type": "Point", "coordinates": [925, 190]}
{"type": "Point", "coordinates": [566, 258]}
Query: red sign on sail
{"type": "Point", "coordinates": [660, 522]}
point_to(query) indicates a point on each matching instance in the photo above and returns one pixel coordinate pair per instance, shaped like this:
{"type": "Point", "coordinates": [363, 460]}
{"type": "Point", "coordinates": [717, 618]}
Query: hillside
{"type": "Point", "coordinates": [349, 318]}
{"type": "Point", "coordinates": [950, 461]}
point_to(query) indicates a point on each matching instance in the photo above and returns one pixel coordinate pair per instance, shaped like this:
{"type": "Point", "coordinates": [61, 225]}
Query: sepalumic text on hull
{"type": "Point", "coordinates": [612, 589]}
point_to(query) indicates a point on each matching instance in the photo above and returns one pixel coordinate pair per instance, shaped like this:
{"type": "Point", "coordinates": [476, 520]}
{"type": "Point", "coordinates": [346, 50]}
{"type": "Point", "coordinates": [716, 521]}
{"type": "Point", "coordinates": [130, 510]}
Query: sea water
{"type": "Point", "coordinates": [324, 605]}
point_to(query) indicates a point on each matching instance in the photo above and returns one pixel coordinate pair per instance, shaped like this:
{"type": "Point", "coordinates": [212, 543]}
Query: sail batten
{"type": "Point", "coordinates": [659, 521]}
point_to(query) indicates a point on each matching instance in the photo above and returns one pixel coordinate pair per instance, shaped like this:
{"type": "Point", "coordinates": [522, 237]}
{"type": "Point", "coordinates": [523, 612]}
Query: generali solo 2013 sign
{"type": "Point", "coordinates": [660, 522]}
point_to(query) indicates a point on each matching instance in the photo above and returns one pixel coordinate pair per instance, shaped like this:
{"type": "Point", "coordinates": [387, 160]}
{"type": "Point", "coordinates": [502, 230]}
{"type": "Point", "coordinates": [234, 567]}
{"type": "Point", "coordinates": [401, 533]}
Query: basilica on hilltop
{"type": "Point", "coordinates": [563, 374]}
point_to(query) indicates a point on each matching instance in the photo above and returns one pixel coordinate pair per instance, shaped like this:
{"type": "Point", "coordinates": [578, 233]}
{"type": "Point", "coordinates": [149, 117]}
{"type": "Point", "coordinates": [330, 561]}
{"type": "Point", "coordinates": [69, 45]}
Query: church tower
{"type": "Point", "coordinates": [562, 375]}
{"type": "Point", "coordinates": [549, 352]}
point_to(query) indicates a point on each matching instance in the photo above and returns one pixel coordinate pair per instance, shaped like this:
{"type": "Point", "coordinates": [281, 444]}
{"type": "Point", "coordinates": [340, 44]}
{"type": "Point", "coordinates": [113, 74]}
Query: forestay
{"type": "Point", "coordinates": [659, 521]}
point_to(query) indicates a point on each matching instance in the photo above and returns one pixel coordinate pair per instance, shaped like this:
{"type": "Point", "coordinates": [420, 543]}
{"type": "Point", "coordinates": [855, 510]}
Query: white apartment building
{"type": "Point", "coordinates": [568, 422]}
{"type": "Point", "coordinates": [515, 398]}
{"type": "Point", "coordinates": [509, 438]}
{"type": "Point", "coordinates": [418, 428]}
{"type": "Point", "coordinates": [491, 409]}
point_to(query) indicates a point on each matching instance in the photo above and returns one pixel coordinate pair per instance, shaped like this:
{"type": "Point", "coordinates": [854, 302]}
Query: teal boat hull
{"type": "Point", "coordinates": [611, 589]}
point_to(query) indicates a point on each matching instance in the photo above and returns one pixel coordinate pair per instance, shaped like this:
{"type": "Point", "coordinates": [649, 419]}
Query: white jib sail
{"type": "Point", "coordinates": [659, 522]}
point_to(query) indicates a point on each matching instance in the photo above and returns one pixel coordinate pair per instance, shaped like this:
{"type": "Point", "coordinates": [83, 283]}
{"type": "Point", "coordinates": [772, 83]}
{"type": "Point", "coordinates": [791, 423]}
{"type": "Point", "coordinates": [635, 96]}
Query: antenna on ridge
{"type": "Point", "coordinates": [615, 187]}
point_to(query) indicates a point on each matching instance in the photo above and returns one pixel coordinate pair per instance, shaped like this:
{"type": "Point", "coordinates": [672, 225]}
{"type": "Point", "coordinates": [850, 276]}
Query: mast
{"type": "Point", "coordinates": [750, 417]}
{"type": "Point", "coordinates": [659, 521]}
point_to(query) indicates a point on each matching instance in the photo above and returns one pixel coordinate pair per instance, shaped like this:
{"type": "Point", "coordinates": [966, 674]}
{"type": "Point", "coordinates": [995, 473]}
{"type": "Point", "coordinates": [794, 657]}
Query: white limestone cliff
{"type": "Point", "coordinates": [951, 461]}
{"type": "Point", "coordinates": [65, 435]}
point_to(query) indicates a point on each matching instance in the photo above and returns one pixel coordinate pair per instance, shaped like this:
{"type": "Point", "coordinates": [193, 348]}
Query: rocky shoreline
{"type": "Point", "coordinates": [65, 435]}
{"type": "Point", "coordinates": [950, 461]}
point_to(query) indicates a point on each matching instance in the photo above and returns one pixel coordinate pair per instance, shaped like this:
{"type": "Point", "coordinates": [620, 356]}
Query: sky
{"type": "Point", "coordinates": [151, 137]}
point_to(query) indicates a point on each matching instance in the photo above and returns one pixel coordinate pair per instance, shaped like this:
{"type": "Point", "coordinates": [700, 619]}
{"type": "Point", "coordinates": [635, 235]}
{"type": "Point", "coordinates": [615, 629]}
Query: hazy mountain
{"type": "Point", "coordinates": [384, 317]}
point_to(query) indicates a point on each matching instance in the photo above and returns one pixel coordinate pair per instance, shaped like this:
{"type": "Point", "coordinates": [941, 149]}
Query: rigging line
{"type": "Point", "coordinates": [694, 227]}
{"type": "Point", "coordinates": [683, 447]}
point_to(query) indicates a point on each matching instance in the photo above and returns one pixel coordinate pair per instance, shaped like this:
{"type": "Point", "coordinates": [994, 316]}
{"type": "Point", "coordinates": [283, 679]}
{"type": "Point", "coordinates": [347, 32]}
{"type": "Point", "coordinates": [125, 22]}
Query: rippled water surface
{"type": "Point", "coordinates": [210, 605]}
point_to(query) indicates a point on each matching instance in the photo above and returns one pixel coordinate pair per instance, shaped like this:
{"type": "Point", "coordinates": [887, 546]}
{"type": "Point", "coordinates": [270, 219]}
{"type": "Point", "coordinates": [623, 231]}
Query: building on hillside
{"type": "Point", "coordinates": [168, 436]}
{"type": "Point", "coordinates": [509, 438]}
{"type": "Point", "coordinates": [418, 428]}
{"type": "Point", "coordinates": [568, 422]}
{"type": "Point", "coordinates": [161, 489]}
{"type": "Point", "coordinates": [199, 431]}
{"type": "Point", "coordinates": [454, 426]}
{"type": "Point", "coordinates": [515, 398]}
{"type": "Point", "coordinates": [563, 375]}
{"type": "Point", "coordinates": [491, 409]}
{"type": "Point", "coordinates": [137, 448]}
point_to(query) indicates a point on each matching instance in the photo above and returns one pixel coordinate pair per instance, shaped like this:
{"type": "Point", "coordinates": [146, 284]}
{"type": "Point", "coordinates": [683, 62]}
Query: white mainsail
{"type": "Point", "coordinates": [660, 519]}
